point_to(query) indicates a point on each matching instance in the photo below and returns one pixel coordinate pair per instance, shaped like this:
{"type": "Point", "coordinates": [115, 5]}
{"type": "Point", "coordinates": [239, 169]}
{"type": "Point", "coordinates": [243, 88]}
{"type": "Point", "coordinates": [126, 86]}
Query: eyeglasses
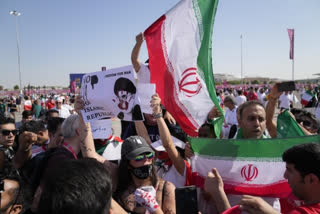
{"type": "Point", "coordinates": [6, 132]}
{"type": "Point", "coordinates": [148, 155]}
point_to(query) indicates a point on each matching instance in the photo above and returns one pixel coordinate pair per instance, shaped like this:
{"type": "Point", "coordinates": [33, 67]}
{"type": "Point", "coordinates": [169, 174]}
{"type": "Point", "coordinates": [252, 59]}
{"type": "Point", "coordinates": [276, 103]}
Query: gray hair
{"type": "Point", "coordinates": [70, 125]}
{"type": "Point", "coordinates": [230, 99]}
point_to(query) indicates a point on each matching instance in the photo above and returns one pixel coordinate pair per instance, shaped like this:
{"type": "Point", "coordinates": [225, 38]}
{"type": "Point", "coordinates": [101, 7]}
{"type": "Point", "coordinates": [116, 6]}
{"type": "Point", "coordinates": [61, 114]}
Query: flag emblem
{"type": "Point", "coordinates": [249, 172]}
{"type": "Point", "coordinates": [190, 84]}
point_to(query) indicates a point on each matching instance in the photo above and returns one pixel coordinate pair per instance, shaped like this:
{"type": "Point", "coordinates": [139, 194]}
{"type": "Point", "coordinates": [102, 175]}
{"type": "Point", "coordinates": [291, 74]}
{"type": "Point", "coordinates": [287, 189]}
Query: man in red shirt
{"type": "Point", "coordinates": [252, 95]}
{"type": "Point", "coordinates": [50, 103]}
{"type": "Point", "coordinates": [303, 174]}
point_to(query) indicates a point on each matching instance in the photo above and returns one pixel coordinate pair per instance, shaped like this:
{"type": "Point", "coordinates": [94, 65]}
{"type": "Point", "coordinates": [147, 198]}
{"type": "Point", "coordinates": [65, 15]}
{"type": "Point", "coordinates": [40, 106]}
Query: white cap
{"type": "Point", "coordinates": [157, 145]}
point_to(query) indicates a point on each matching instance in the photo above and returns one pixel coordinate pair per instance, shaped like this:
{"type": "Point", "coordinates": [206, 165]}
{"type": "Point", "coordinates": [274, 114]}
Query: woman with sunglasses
{"type": "Point", "coordinates": [137, 187]}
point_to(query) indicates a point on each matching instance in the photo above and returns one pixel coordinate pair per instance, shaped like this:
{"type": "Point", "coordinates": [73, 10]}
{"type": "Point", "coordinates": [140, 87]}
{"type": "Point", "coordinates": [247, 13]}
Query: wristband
{"type": "Point", "coordinates": [157, 116]}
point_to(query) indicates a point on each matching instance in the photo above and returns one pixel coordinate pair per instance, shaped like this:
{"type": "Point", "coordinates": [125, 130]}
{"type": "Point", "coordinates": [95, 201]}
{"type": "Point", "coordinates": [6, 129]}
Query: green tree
{"type": "Point", "coordinates": [16, 87]}
{"type": "Point", "coordinates": [1, 87]}
{"type": "Point", "coordinates": [255, 82]}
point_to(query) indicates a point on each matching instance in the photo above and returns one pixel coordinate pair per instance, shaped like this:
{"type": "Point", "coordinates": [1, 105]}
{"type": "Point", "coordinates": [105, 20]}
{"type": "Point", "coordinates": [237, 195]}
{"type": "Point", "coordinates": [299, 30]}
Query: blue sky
{"type": "Point", "coordinates": [79, 36]}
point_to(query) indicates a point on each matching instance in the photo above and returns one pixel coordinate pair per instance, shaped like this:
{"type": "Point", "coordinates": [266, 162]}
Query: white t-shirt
{"type": "Point", "coordinates": [231, 116]}
{"type": "Point", "coordinates": [173, 176]}
{"type": "Point", "coordinates": [143, 75]}
{"type": "Point", "coordinates": [63, 112]}
{"type": "Point", "coordinates": [241, 99]}
{"type": "Point", "coordinates": [284, 101]}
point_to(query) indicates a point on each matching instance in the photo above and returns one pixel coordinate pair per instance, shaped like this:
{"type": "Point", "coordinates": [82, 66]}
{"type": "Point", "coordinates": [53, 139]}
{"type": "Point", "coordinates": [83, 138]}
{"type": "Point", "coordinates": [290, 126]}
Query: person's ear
{"type": "Point", "coordinates": [311, 179]}
{"type": "Point", "coordinates": [16, 209]}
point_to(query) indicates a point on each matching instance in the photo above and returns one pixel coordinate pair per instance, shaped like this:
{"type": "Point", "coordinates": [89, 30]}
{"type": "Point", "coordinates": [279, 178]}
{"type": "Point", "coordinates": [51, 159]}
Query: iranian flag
{"type": "Point", "coordinates": [179, 47]}
{"type": "Point", "coordinates": [306, 97]}
{"type": "Point", "coordinates": [253, 167]}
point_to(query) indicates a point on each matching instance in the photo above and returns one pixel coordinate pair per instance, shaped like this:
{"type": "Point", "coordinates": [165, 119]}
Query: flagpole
{"type": "Point", "coordinates": [241, 61]}
{"type": "Point", "coordinates": [293, 69]}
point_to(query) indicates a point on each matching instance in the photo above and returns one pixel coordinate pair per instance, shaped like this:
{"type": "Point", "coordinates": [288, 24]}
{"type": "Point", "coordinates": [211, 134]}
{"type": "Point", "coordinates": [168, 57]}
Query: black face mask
{"type": "Point", "coordinates": [142, 172]}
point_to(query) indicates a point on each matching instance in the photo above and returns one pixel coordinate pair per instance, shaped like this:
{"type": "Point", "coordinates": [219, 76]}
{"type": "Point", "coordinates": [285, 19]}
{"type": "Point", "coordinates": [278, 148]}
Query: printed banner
{"type": "Point", "coordinates": [111, 93]}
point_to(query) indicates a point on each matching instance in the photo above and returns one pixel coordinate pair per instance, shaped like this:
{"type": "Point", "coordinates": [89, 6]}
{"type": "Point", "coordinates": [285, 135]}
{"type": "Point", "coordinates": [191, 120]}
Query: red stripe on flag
{"type": "Point", "coordinates": [277, 190]}
{"type": "Point", "coordinates": [163, 78]}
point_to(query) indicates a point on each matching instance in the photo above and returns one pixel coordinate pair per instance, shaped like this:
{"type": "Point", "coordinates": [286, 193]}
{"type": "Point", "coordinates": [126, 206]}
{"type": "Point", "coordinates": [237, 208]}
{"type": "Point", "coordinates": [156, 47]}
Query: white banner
{"type": "Point", "coordinates": [111, 93]}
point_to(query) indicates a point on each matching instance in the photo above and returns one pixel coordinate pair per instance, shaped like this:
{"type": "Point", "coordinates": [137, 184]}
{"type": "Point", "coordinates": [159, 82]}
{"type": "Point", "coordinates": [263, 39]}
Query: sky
{"type": "Point", "coordinates": [79, 36]}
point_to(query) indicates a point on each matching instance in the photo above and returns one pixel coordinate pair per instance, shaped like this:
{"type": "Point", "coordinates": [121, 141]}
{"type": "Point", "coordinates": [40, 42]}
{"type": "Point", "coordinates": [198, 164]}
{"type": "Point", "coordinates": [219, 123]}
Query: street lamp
{"type": "Point", "coordinates": [16, 14]}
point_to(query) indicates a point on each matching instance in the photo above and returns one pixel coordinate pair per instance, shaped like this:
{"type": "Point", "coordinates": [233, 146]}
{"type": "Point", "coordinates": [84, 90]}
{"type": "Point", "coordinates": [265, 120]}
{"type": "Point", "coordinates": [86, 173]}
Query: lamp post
{"type": "Point", "coordinates": [16, 14]}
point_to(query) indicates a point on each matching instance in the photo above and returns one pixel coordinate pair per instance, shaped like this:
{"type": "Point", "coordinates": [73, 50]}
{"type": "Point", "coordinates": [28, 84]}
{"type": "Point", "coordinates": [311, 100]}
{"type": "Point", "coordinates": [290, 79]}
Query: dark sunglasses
{"type": "Point", "coordinates": [6, 132]}
{"type": "Point", "coordinates": [148, 155]}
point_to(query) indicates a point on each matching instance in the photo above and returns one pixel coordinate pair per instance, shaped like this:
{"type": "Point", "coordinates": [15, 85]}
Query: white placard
{"type": "Point", "coordinates": [145, 92]}
{"type": "Point", "coordinates": [112, 151]}
{"type": "Point", "coordinates": [101, 129]}
{"type": "Point", "coordinates": [111, 93]}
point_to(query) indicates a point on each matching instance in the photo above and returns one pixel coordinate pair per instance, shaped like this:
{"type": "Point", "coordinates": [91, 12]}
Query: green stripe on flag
{"type": "Point", "coordinates": [208, 9]}
{"type": "Point", "coordinates": [260, 148]}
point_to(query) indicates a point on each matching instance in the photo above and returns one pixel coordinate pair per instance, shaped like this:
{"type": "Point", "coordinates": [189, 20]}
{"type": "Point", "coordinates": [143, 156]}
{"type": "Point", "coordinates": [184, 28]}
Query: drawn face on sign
{"type": "Point", "coordinates": [125, 98]}
{"type": "Point", "coordinates": [125, 91]}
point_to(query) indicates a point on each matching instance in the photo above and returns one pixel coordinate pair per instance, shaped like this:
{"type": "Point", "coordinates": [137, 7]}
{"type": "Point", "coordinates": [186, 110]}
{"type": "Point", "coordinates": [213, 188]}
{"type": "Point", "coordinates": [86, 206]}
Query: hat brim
{"type": "Point", "coordinates": [133, 154]}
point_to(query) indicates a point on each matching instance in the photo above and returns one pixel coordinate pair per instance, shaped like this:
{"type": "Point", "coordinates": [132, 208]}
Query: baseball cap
{"type": "Point", "coordinates": [134, 146]}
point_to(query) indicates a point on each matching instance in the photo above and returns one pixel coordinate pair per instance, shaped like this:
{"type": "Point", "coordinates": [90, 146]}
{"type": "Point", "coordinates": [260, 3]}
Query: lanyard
{"type": "Point", "coordinates": [67, 146]}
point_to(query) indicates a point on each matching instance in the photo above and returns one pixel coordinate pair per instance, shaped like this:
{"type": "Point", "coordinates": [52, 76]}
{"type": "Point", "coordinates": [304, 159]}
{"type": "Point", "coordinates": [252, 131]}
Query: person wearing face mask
{"type": "Point", "coordinates": [136, 186]}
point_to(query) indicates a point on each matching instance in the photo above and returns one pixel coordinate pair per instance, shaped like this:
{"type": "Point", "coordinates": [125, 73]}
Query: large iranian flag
{"type": "Point", "coordinates": [179, 47]}
{"type": "Point", "coordinates": [252, 167]}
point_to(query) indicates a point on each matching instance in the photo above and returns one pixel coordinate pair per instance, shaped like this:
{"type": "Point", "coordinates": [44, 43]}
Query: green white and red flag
{"type": "Point", "coordinates": [253, 167]}
{"type": "Point", "coordinates": [180, 59]}
{"type": "Point", "coordinates": [306, 97]}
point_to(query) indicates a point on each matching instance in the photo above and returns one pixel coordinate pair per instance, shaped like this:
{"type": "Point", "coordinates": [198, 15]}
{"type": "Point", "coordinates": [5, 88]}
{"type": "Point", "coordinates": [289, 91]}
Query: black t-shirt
{"type": "Point", "coordinates": [13, 107]}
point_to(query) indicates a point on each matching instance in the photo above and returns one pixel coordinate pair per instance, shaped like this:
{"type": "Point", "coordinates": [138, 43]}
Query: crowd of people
{"type": "Point", "coordinates": [50, 163]}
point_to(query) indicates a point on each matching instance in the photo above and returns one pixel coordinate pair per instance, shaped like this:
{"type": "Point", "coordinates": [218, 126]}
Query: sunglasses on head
{"type": "Point", "coordinates": [148, 155]}
{"type": "Point", "coordinates": [6, 132]}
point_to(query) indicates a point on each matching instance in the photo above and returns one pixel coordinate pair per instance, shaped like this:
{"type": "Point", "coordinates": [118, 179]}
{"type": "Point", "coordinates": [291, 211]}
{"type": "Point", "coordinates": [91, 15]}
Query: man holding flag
{"type": "Point", "coordinates": [179, 47]}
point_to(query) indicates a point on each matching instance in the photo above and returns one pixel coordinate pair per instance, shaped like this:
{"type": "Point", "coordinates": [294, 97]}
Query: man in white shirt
{"type": "Point", "coordinates": [285, 101]}
{"type": "Point", "coordinates": [142, 71]}
{"type": "Point", "coordinates": [230, 119]}
{"type": "Point", "coordinates": [261, 96]}
{"type": "Point", "coordinates": [63, 111]}
{"type": "Point", "coordinates": [240, 98]}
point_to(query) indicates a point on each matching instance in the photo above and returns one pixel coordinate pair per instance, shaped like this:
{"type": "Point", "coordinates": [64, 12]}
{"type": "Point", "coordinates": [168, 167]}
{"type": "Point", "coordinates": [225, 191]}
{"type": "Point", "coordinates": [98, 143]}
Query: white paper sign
{"type": "Point", "coordinates": [145, 92]}
{"type": "Point", "coordinates": [112, 151]}
{"type": "Point", "coordinates": [101, 129]}
{"type": "Point", "coordinates": [111, 93]}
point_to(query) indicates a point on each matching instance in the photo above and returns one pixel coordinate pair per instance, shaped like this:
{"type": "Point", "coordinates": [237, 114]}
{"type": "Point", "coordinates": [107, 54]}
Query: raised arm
{"type": "Point", "coordinates": [270, 109]}
{"type": "Point", "coordinates": [135, 52]}
{"type": "Point", "coordinates": [142, 131]}
{"type": "Point", "coordinates": [165, 136]}
{"type": "Point", "coordinates": [24, 152]}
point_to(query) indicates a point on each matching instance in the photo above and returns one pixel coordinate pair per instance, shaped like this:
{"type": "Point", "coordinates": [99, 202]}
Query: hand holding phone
{"type": "Point", "coordinates": [286, 86]}
{"type": "Point", "coordinates": [186, 200]}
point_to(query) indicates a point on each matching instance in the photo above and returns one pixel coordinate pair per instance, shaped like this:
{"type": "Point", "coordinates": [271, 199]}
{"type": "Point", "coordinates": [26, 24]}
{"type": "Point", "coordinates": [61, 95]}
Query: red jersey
{"type": "Point", "coordinates": [252, 96]}
{"type": "Point", "coordinates": [49, 105]}
{"type": "Point", "coordinates": [306, 209]}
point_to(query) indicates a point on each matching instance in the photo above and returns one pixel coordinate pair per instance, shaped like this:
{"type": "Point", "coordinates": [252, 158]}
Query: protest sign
{"type": "Point", "coordinates": [145, 92]}
{"type": "Point", "coordinates": [101, 129]}
{"type": "Point", "coordinates": [110, 93]}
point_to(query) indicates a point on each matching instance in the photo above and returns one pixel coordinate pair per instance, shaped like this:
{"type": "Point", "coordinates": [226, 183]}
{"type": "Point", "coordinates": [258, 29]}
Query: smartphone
{"type": "Point", "coordinates": [286, 86]}
{"type": "Point", "coordinates": [186, 200]}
